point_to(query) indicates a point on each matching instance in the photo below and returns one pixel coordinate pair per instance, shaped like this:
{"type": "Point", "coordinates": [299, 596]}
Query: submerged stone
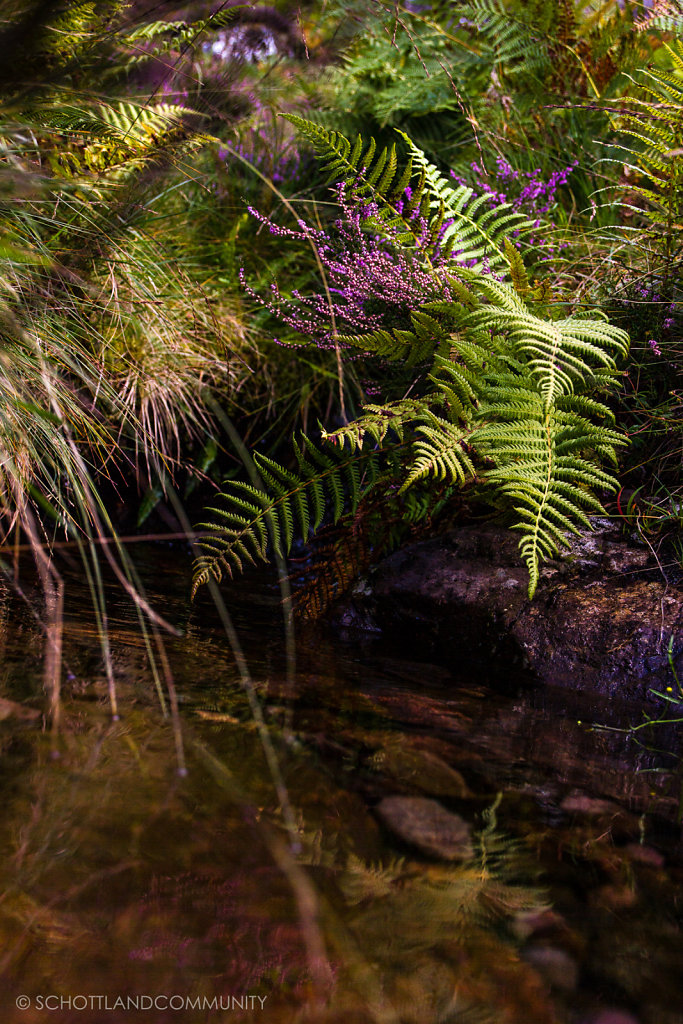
{"type": "Point", "coordinates": [557, 967]}
{"type": "Point", "coordinates": [420, 768]}
{"type": "Point", "coordinates": [427, 826]}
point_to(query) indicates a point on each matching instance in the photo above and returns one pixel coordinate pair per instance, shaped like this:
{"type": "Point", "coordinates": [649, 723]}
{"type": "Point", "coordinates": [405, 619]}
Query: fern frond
{"type": "Point", "coordinates": [511, 39]}
{"type": "Point", "coordinates": [331, 573]}
{"type": "Point", "coordinates": [475, 231]}
{"type": "Point", "coordinates": [440, 452]}
{"type": "Point", "coordinates": [67, 119]}
{"type": "Point", "coordinates": [161, 37]}
{"type": "Point", "coordinates": [559, 354]}
{"type": "Point", "coordinates": [513, 381]}
{"type": "Point", "coordinates": [458, 381]}
{"type": "Point", "coordinates": [542, 471]}
{"type": "Point", "coordinates": [247, 517]}
{"type": "Point", "coordinates": [518, 272]}
{"type": "Point", "coordinates": [376, 421]}
{"type": "Point", "coordinates": [372, 177]}
{"type": "Point", "coordinates": [663, 15]}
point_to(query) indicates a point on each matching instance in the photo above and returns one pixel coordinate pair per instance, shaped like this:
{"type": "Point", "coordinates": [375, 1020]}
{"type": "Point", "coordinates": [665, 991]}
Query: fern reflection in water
{"type": "Point", "coordinates": [505, 381]}
{"type": "Point", "coordinates": [436, 936]}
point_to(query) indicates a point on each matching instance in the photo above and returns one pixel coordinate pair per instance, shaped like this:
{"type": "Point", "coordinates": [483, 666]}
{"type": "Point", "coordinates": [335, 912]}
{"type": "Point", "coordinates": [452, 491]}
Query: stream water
{"type": "Point", "coordinates": [131, 892]}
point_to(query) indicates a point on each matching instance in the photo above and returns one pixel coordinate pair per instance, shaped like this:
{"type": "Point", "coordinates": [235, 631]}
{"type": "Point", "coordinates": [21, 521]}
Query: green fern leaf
{"type": "Point", "coordinates": [246, 517]}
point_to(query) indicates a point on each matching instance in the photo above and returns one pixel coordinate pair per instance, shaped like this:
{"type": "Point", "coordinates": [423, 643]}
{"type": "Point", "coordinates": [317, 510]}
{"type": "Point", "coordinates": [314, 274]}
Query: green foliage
{"type": "Point", "coordinates": [512, 35]}
{"type": "Point", "coordinates": [465, 226]}
{"type": "Point", "coordinates": [664, 16]}
{"type": "Point", "coordinates": [413, 75]}
{"type": "Point", "coordinates": [250, 515]}
{"type": "Point", "coordinates": [642, 286]}
{"type": "Point", "coordinates": [510, 379]}
{"type": "Point", "coordinates": [652, 126]}
{"type": "Point", "coordinates": [375, 422]}
{"type": "Point", "coordinates": [106, 337]}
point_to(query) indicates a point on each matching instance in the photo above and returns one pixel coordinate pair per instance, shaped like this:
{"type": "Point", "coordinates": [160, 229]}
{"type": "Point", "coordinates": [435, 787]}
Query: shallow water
{"type": "Point", "coordinates": [131, 893]}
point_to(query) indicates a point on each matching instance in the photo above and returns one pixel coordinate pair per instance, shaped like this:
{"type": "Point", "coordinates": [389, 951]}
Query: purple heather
{"type": "Point", "coordinates": [373, 283]}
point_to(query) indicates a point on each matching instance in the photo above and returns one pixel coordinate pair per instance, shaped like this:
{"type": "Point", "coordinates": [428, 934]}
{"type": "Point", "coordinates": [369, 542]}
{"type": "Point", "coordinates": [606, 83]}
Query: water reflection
{"type": "Point", "coordinates": [122, 880]}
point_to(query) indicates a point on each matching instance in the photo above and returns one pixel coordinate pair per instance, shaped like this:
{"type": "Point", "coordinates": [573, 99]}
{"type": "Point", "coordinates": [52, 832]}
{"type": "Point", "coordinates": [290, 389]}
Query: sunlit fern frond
{"type": "Point", "coordinates": [468, 228]}
{"type": "Point", "coordinates": [174, 35]}
{"type": "Point", "coordinates": [561, 355]}
{"type": "Point", "coordinates": [545, 467]}
{"type": "Point", "coordinates": [375, 422]}
{"type": "Point", "coordinates": [362, 881]}
{"type": "Point", "coordinates": [461, 225]}
{"type": "Point", "coordinates": [505, 382]}
{"type": "Point", "coordinates": [440, 451]}
{"type": "Point", "coordinates": [651, 125]}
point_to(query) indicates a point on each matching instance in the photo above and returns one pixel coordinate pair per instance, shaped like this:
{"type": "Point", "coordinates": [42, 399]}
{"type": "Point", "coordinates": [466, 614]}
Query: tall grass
{"type": "Point", "coordinates": [106, 348]}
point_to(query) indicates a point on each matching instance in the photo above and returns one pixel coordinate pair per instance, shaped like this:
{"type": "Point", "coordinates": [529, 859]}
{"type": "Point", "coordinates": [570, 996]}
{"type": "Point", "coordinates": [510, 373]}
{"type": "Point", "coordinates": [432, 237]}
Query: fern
{"type": "Point", "coordinates": [559, 354]}
{"type": "Point", "coordinates": [541, 469]}
{"type": "Point", "coordinates": [369, 175]}
{"type": "Point", "coordinates": [376, 421]}
{"type": "Point", "coordinates": [249, 517]}
{"type": "Point", "coordinates": [505, 389]}
{"type": "Point", "coordinates": [512, 39]}
{"type": "Point", "coordinates": [337, 562]}
{"type": "Point", "coordinates": [474, 232]}
{"type": "Point", "coordinates": [440, 451]}
{"type": "Point", "coordinates": [665, 15]}
{"type": "Point", "coordinates": [461, 225]}
{"type": "Point", "coordinates": [652, 124]}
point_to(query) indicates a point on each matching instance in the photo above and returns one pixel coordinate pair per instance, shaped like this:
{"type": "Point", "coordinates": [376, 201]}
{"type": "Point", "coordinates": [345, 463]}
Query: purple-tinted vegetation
{"type": "Point", "coordinates": [651, 312]}
{"type": "Point", "coordinates": [282, 164]}
{"type": "Point", "coordinates": [525, 191]}
{"type": "Point", "coordinates": [373, 282]}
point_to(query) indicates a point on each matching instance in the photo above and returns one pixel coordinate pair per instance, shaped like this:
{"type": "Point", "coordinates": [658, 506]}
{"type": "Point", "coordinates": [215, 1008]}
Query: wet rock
{"type": "Point", "coordinates": [427, 826]}
{"type": "Point", "coordinates": [558, 968]}
{"type": "Point", "coordinates": [613, 1017]}
{"type": "Point", "coordinates": [421, 769]}
{"type": "Point", "coordinates": [646, 855]}
{"type": "Point", "coordinates": [600, 621]}
{"type": "Point", "coordinates": [608, 816]}
{"type": "Point", "coordinates": [593, 807]}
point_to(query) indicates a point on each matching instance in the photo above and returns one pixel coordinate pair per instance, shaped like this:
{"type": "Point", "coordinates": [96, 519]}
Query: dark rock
{"type": "Point", "coordinates": [427, 826]}
{"type": "Point", "coordinates": [606, 816]}
{"type": "Point", "coordinates": [600, 621]}
{"type": "Point", "coordinates": [592, 807]}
